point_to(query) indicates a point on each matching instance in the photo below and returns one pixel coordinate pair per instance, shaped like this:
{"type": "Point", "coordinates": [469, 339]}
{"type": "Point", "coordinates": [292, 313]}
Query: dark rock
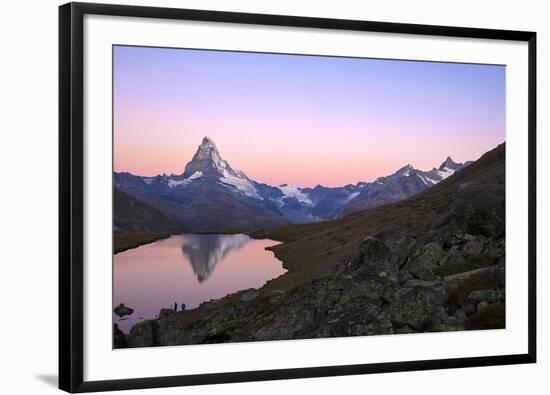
{"type": "Point", "coordinates": [441, 295]}
{"type": "Point", "coordinates": [416, 307]}
{"type": "Point", "coordinates": [493, 316]}
{"type": "Point", "coordinates": [453, 322]}
{"type": "Point", "coordinates": [482, 305]}
{"type": "Point", "coordinates": [419, 283]}
{"type": "Point", "coordinates": [382, 255]}
{"type": "Point", "coordinates": [143, 334]}
{"type": "Point", "coordinates": [489, 296]}
{"type": "Point", "coordinates": [468, 308]}
{"type": "Point", "coordinates": [460, 286]}
{"type": "Point", "coordinates": [164, 313]}
{"type": "Point", "coordinates": [473, 247]}
{"type": "Point", "coordinates": [403, 329]}
{"type": "Point", "coordinates": [121, 310]}
{"type": "Point", "coordinates": [478, 209]}
{"type": "Point", "coordinates": [119, 338]}
{"type": "Point", "coordinates": [249, 294]}
{"type": "Point", "coordinates": [423, 262]}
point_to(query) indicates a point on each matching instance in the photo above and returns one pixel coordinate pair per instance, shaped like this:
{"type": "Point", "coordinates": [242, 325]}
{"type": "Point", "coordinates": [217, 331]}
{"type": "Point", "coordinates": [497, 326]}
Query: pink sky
{"type": "Point", "coordinates": [301, 120]}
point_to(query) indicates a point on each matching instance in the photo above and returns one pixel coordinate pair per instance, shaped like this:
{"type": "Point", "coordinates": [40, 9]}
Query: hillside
{"type": "Point", "coordinates": [136, 223]}
{"type": "Point", "coordinates": [317, 246]}
{"type": "Point", "coordinates": [133, 215]}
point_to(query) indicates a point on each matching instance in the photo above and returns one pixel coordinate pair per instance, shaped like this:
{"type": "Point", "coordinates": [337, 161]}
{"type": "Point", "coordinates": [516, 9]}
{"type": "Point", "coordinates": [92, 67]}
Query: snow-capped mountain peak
{"type": "Point", "coordinates": [206, 150]}
{"type": "Point", "coordinates": [208, 162]}
{"type": "Point", "coordinates": [405, 170]}
{"type": "Point", "coordinates": [450, 164]}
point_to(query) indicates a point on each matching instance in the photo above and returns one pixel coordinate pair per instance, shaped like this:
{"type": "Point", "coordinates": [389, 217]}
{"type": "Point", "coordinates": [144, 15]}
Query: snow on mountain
{"type": "Point", "coordinates": [429, 178]}
{"type": "Point", "coordinates": [445, 173]}
{"type": "Point", "coordinates": [426, 180]}
{"type": "Point", "coordinates": [242, 184]}
{"type": "Point", "coordinates": [195, 175]}
{"type": "Point", "coordinates": [352, 196]}
{"type": "Point", "coordinates": [325, 202]}
{"type": "Point", "coordinates": [208, 162]}
{"type": "Point", "coordinates": [451, 164]}
{"type": "Point", "coordinates": [405, 171]}
{"type": "Point", "coordinates": [295, 192]}
{"type": "Point", "coordinates": [445, 170]}
{"type": "Point", "coordinates": [177, 182]}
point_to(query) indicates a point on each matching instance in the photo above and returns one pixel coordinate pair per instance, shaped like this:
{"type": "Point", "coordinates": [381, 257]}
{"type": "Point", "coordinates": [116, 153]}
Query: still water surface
{"type": "Point", "coordinates": [189, 269]}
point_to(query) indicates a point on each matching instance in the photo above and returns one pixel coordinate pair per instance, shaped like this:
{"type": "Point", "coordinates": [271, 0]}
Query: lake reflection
{"type": "Point", "coordinates": [189, 269]}
{"type": "Point", "coordinates": [205, 251]}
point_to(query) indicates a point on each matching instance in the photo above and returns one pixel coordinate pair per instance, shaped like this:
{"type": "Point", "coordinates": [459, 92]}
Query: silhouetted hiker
{"type": "Point", "coordinates": [175, 306]}
{"type": "Point", "coordinates": [183, 307]}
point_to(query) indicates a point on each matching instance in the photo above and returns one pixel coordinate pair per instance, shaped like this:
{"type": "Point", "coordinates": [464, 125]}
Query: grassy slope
{"type": "Point", "coordinates": [309, 249]}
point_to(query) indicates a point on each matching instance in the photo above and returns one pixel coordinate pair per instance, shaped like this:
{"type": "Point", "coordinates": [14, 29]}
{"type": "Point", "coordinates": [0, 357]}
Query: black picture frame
{"type": "Point", "coordinates": [71, 204]}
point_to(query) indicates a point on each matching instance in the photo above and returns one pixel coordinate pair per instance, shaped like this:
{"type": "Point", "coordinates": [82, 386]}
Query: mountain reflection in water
{"type": "Point", "coordinates": [205, 251]}
{"type": "Point", "coordinates": [189, 269]}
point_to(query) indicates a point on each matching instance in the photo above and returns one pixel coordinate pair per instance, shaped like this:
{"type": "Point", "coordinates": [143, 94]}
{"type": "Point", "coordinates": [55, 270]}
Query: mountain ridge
{"type": "Point", "coordinates": [209, 189]}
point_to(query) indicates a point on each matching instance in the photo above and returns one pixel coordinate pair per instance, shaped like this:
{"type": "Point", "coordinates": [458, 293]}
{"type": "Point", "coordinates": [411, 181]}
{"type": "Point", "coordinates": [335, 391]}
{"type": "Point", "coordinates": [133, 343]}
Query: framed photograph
{"type": "Point", "coordinates": [253, 197]}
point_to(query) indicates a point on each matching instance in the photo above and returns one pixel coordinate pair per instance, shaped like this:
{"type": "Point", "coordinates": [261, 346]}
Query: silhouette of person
{"type": "Point", "coordinates": [175, 306]}
{"type": "Point", "coordinates": [183, 307]}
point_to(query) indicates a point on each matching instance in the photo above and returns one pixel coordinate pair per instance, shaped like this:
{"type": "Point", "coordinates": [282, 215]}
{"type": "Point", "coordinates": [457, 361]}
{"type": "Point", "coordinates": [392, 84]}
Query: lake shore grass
{"type": "Point", "coordinates": [123, 241]}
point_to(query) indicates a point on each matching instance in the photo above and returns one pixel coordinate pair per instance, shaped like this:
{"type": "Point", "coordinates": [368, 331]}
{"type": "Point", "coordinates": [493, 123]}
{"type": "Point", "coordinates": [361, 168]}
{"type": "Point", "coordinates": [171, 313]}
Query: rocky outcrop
{"type": "Point", "coordinates": [249, 295]}
{"type": "Point", "coordinates": [144, 334]}
{"type": "Point", "coordinates": [164, 313]}
{"type": "Point", "coordinates": [119, 339]}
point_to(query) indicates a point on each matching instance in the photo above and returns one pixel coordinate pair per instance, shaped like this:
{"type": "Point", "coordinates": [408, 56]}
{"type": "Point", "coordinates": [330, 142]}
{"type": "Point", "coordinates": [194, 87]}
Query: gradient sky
{"type": "Point", "coordinates": [302, 120]}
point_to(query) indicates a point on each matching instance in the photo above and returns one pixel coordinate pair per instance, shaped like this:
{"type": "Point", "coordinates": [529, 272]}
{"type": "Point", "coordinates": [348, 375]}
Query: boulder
{"type": "Point", "coordinates": [478, 209]}
{"type": "Point", "coordinates": [121, 310]}
{"type": "Point", "coordinates": [143, 334]}
{"type": "Point", "coordinates": [382, 255]}
{"type": "Point", "coordinates": [473, 246]}
{"type": "Point", "coordinates": [425, 260]}
{"type": "Point", "coordinates": [249, 294]}
{"type": "Point", "coordinates": [417, 308]}
{"type": "Point", "coordinates": [164, 313]}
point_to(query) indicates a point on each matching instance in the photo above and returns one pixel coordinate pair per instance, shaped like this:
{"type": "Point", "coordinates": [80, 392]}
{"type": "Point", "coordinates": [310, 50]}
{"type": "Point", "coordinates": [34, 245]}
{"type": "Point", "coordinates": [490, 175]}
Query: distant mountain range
{"type": "Point", "coordinates": [212, 196]}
